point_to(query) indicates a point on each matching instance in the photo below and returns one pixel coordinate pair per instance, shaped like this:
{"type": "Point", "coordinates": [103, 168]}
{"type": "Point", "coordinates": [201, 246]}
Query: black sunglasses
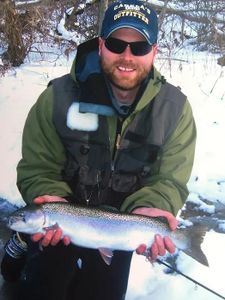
{"type": "Point", "coordinates": [137, 48]}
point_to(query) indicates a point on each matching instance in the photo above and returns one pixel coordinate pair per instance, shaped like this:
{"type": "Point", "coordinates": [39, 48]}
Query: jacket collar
{"type": "Point", "coordinates": [95, 93]}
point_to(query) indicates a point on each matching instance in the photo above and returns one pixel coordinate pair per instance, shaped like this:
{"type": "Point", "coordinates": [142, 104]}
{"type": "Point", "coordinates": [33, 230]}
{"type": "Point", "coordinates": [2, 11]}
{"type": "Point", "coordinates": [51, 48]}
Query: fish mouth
{"type": "Point", "coordinates": [15, 223]}
{"type": "Point", "coordinates": [12, 221]}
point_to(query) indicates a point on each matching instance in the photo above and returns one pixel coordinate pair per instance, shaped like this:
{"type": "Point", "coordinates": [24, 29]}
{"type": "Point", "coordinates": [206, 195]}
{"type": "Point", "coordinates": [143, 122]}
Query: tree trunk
{"type": "Point", "coordinates": [103, 4]}
{"type": "Point", "coordinates": [13, 31]}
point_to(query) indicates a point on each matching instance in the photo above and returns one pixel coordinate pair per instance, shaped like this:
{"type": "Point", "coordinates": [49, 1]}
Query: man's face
{"type": "Point", "coordinates": [125, 70]}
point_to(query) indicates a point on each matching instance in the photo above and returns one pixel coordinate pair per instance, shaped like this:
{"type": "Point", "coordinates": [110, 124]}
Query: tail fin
{"type": "Point", "coordinates": [196, 235]}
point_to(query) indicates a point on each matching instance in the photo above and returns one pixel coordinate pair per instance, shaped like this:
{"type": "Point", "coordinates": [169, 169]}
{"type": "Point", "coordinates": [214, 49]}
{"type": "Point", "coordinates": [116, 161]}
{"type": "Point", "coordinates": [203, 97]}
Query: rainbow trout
{"type": "Point", "coordinates": [104, 230]}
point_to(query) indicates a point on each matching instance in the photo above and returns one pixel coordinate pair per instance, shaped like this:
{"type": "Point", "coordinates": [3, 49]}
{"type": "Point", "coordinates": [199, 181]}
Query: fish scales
{"type": "Point", "coordinates": [99, 228]}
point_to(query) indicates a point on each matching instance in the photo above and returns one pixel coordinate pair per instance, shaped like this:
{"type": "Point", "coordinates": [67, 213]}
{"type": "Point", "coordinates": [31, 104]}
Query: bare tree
{"type": "Point", "coordinates": [14, 27]}
{"type": "Point", "coordinates": [200, 21]}
{"type": "Point", "coordinates": [19, 29]}
{"type": "Point", "coordinates": [181, 22]}
{"type": "Point", "coordinates": [102, 8]}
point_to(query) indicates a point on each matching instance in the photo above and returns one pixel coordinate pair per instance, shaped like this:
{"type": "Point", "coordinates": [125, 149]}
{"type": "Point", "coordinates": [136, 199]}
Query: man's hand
{"type": "Point", "coordinates": [160, 244]}
{"type": "Point", "coordinates": [51, 237]}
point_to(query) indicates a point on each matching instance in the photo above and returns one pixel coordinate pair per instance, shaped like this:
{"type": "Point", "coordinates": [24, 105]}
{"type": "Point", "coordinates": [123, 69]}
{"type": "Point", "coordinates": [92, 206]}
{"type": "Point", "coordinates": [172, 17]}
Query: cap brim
{"type": "Point", "coordinates": [126, 25]}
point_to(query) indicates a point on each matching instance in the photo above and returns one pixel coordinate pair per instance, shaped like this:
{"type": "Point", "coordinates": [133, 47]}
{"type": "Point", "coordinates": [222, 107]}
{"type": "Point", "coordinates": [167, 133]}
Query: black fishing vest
{"type": "Point", "coordinates": [89, 170]}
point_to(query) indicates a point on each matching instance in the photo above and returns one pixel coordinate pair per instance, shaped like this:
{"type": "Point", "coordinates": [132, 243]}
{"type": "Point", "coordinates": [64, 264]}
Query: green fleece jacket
{"type": "Point", "coordinates": [39, 172]}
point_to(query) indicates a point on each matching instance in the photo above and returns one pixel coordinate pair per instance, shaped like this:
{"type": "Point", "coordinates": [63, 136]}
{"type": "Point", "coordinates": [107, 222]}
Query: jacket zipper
{"type": "Point", "coordinates": [117, 140]}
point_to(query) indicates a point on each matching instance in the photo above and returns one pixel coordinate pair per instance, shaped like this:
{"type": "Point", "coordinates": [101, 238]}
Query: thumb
{"type": "Point", "coordinates": [172, 221]}
{"type": "Point", "coordinates": [48, 198]}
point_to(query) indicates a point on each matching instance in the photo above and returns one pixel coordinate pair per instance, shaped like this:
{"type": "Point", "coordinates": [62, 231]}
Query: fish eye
{"type": "Point", "coordinates": [22, 216]}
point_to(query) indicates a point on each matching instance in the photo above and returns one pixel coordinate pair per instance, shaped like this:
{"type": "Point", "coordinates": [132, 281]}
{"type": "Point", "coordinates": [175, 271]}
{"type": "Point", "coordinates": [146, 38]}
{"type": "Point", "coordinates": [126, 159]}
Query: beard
{"type": "Point", "coordinates": [125, 83]}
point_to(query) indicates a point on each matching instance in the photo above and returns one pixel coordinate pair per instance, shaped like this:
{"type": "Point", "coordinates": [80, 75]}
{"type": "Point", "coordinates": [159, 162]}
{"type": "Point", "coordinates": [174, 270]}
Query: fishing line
{"type": "Point", "coordinates": [189, 278]}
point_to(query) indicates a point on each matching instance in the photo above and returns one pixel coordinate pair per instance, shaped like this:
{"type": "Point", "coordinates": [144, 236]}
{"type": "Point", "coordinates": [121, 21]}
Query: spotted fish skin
{"type": "Point", "coordinates": [104, 229]}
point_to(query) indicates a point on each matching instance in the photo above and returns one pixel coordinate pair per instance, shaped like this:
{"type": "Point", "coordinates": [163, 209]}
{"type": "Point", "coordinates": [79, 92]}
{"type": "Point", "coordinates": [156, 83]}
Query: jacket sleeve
{"type": "Point", "coordinates": [43, 157]}
{"type": "Point", "coordinates": [166, 188]}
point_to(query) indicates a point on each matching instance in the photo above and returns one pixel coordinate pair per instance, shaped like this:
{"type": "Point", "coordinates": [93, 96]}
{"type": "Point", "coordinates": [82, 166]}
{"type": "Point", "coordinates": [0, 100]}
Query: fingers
{"type": "Point", "coordinates": [39, 200]}
{"type": "Point", "coordinates": [161, 245]}
{"type": "Point", "coordinates": [37, 237]}
{"type": "Point", "coordinates": [158, 248]}
{"type": "Point", "coordinates": [66, 240]}
{"type": "Point", "coordinates": [156, 212]}
{"type": "Point", "coordinates": [51, 237]}
{"type": "Point", "coordinates": [48, 198]}
{"type": "Point", "coordinates": [56, 237]}
{"type": "Point", "coordinates": [172, 221]}
{"type": "Point", "coordinates": [170, 246]}
{"type": "Point", "coordinates": [141, 249]}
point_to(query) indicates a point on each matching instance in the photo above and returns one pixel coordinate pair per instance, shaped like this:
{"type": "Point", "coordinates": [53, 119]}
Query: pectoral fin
{"type": "Point", "coordinates": [52, 227]}
{"type": "Point", "coordinates": [106, 254]}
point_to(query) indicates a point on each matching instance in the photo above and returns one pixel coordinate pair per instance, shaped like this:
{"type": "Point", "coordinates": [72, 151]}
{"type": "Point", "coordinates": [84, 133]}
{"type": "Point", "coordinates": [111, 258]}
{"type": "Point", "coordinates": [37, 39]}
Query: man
{"type": "Point", "coordinates": [112, 133]}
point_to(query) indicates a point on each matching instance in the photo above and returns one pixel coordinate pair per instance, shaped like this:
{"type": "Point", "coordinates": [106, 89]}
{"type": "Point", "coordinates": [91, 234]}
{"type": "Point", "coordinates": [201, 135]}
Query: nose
{"type": "Point", "coordinates": [127, 52]}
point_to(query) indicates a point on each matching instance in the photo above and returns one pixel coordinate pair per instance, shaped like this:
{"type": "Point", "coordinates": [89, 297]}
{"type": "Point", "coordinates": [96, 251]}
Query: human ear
{"type": "Point", "coordinates": [100, 44]}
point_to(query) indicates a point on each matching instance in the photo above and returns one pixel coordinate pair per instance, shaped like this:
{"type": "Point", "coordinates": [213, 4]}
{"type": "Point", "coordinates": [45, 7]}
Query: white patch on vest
{"type": "Point", "coordinates": [81, 121]}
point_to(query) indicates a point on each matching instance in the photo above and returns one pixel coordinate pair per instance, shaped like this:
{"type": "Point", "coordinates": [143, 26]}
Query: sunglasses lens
{"type": "Point", "coordinates": [119, 46]}
{"type": "Point", "coordinates": [140, 48]}
{"type": "Point", "coordinates": [115, 45]}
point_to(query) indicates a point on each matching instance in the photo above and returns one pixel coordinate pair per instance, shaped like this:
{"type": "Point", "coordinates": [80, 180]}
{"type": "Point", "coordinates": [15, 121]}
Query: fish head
{"type": "Point", "coordinates": [27, 220]}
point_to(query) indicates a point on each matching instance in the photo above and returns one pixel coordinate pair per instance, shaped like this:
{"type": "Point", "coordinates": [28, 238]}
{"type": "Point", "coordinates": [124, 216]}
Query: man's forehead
{"type": "Point", "coordinates": [128, 31]}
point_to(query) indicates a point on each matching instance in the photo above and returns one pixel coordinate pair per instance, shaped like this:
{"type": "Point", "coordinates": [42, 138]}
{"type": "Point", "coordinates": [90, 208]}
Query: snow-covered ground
{"type": "Point", "coordinates": [202, 80]}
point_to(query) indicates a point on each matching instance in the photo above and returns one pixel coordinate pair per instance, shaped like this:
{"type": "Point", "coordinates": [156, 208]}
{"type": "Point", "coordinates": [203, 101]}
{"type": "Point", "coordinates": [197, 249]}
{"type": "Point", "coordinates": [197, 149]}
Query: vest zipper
{"type": "Point", "coordinates": [117, 140]}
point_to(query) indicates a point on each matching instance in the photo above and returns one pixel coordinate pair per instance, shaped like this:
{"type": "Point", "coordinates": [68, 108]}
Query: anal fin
{"type": "Point", "coordinates": [106, 254]}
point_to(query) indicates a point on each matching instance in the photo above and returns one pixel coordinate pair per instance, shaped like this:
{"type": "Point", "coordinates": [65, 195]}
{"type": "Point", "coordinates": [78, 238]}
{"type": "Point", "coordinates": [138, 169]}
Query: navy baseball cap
{"type": "Point", "coordinates": [135, 14]}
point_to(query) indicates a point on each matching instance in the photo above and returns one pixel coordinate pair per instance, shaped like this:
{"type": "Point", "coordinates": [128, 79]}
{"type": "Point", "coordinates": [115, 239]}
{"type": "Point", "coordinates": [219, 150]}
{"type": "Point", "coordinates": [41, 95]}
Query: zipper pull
{"type": "Point", "coordinates": [118, 139]}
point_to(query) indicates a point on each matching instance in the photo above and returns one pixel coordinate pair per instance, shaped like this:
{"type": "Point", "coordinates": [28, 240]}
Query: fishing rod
{"type": "Point", "coordinates": [189, 278]}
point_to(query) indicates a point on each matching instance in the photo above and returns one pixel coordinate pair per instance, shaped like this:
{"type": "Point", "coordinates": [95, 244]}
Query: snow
{"type": "Point", "coordinates": [67, 35]}
{"type": "Point", "coordinates": [26, 2]}
{"type": "Point", "coordinates": [202, 80]}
